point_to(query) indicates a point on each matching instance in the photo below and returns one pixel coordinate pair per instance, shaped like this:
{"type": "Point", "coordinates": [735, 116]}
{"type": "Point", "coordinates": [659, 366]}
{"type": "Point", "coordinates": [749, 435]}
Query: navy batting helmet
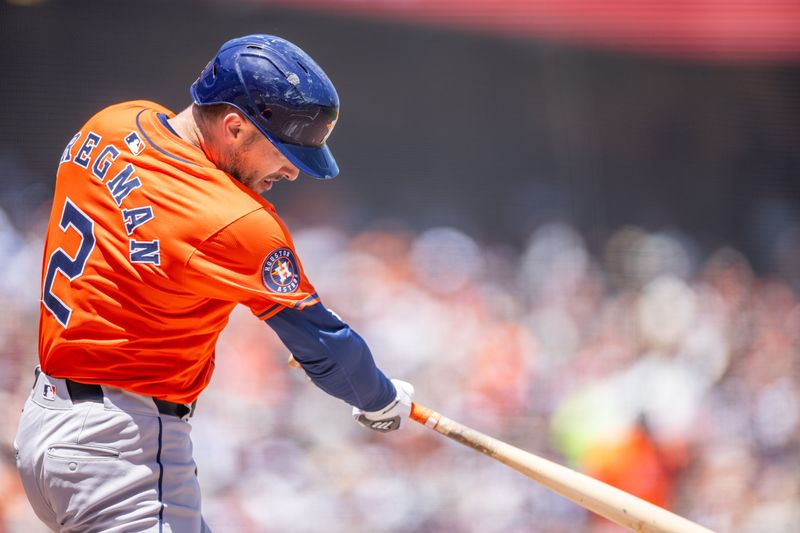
{"type": "Point", "coordinates": [282, 91]}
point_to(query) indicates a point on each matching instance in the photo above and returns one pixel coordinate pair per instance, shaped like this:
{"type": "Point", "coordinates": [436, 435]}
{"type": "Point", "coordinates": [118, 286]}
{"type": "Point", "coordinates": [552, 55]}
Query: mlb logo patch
{"type": "Point", "coordinates": [49, 392]}
{"type": "Point", "coordinates": [134, 143]}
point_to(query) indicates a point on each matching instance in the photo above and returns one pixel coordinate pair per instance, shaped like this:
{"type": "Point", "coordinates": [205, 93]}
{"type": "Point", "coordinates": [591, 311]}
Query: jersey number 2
{"type": "Point", "coordinates": [60, 261]}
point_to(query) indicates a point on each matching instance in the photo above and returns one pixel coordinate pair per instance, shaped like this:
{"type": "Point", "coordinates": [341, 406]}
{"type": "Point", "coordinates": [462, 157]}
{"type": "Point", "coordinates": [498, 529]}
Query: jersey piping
{"type": "Point", "coordinates": [157, 147]}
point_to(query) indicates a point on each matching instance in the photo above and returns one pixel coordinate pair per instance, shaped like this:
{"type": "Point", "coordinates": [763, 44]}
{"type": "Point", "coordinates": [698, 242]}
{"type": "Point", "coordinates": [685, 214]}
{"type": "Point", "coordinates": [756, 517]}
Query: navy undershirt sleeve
{"type": "Point", "coordinates": [334, 356]}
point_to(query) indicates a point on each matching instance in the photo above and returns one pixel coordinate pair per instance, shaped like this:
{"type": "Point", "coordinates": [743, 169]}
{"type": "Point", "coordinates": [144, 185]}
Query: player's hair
{"type": "Point", "coordinates": [215, 111]}
{"type": "Point", "coordinates": [210, 113]}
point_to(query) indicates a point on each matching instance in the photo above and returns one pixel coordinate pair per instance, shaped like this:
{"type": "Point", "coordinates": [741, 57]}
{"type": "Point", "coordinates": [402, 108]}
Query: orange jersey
{"type": "Point", "coordinates": [148, 250]}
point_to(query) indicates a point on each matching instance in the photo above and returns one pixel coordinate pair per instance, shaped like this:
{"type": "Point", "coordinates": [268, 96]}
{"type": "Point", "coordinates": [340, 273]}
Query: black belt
{"type": "Point", "coordinates": [84, 392]}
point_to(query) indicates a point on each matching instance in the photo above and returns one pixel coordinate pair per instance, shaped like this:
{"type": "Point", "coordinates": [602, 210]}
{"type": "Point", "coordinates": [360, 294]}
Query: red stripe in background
{"type": "Point", "coordinates": [724, 30]}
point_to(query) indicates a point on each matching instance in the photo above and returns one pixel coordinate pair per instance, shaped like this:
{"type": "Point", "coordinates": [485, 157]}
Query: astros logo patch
{"type": "Point", "coordinates": [280, 272]}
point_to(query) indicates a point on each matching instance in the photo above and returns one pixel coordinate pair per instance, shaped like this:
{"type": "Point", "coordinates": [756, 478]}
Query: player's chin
{"type": "Point", "coordinates": [261, 186]}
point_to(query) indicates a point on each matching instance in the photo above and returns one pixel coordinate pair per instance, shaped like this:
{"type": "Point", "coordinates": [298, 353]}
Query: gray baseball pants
{"type": "Point", "coordinates": [116, 466]}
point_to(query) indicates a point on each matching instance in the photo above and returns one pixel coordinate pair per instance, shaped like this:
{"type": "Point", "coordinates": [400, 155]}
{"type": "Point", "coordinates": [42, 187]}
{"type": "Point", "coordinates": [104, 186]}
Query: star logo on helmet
{"type": "Point", "coordinates": [330, 126]}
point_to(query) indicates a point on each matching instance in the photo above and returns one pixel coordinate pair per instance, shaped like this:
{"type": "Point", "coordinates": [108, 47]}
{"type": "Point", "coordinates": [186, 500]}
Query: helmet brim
{"type": "Point", "coordinates": [317, 162]}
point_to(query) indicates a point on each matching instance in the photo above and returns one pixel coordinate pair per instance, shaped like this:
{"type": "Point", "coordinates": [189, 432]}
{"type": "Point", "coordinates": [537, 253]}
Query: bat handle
{"type": "Point", "coordinates": [425, 416]}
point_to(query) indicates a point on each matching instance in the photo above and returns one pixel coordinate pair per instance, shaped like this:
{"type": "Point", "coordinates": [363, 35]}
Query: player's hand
{"type": "Point", "coordinates": [393, 415]}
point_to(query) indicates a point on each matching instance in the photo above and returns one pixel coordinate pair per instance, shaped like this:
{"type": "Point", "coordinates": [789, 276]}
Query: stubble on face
{"type": "Point", "coordinates": [239, 165]}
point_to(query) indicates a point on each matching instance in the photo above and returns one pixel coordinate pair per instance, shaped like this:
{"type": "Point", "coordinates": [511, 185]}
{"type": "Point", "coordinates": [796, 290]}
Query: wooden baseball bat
{"type": "Point", "coordinates": [616, 505]}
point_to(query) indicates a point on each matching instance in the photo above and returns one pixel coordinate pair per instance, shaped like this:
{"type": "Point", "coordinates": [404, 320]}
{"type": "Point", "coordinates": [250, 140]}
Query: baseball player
{"type": "Point", "coordinates": [157, 231]}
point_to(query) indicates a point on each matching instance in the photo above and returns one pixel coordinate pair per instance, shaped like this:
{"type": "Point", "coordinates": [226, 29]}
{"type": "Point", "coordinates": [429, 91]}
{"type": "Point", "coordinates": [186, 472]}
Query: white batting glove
{"type": "Point", "coordinates": [393, 415]}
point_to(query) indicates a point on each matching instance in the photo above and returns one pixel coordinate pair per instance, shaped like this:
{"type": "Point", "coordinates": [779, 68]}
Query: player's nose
{"type": "Point", "coordinates": [291, 172]}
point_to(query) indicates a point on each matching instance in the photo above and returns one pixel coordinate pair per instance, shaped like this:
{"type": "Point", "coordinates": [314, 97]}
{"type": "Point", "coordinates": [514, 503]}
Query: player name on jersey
{"type": "Point", "coordinates": [119, 186]}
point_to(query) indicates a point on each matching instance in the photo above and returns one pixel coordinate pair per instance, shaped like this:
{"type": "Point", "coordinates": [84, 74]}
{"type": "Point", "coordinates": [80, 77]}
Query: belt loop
{"type": "Point", "coordinates": [36, 372]}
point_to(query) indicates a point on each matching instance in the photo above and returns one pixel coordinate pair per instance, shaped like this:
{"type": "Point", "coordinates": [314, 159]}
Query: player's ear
{"type": "Point", "coordinates": [231, 126]}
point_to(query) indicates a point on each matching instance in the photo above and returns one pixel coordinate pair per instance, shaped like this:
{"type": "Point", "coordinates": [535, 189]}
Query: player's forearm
{"type": "Point", "coordinates": [334, 356]}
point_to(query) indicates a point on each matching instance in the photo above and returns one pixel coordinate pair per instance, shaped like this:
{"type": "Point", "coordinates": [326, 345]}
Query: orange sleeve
{"type": "Point", "coordinates": [251, 261]}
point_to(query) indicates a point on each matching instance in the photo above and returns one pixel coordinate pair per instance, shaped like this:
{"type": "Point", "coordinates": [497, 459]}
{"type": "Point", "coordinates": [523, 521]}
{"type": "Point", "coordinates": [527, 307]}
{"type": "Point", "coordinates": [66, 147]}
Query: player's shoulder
{"type": "Point", "coordinates": [263, 213]}
{"type": "Point", "coordinates": [134, 106]}
{"type": "Point", "coordinates": [124, 112]}
{"type": "Point", "coordinates": [261, 222]}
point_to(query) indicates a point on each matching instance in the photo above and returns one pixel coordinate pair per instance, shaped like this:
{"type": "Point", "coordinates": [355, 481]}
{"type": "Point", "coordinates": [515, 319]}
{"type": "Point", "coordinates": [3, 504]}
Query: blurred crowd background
{"type": "Point", "coordinates": [672, 376]}
{"type": "Point", "coordinates": [572, 225]}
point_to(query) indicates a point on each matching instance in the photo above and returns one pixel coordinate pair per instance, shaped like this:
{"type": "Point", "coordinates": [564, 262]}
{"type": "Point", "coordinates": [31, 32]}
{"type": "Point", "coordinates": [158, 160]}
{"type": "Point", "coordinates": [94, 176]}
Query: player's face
{"type": "Point", "coordinates": [251, 158]}
{"type": "Point", "coordinates": [257, 164]}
